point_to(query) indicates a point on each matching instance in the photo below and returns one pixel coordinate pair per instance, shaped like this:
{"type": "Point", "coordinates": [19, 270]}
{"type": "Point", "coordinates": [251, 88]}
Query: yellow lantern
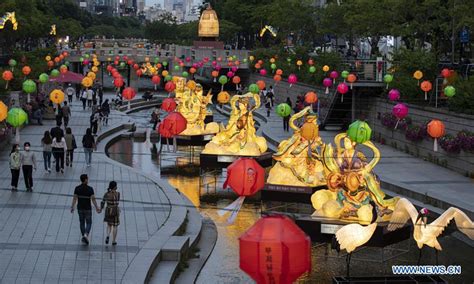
{"type": "Point", "coordinates": [47, 58]}
{"type": "Point", "coordinates": [418, 75]}
{"type": "Point", "coordinates": [299, 62]}
{"type": "Point", "coordinates": [223, 97]}
{"type": "Point", "coordinates": [87, 82]}
{"type": "Point", "coordinates": [109, 59]}
{"type": "Point", "coordinates": [175, 79]}
{"type": "Point", "coordinates": [147, 59]}
{"type": "Point", "coordinates": [309, 131]}
{"type": "Point", "coordinates": [96, 63]}
{"type": "Point", "coordinates": [191, 85]}
{"type": "Point", "coordinates": [251, 58]}
{"type": "Point", "coordinates": [91, 75]}
{"type": "Point", "coordinates": [272, 60]}
{"type": "Point", "coordinates": [325, 68]}
{"type": "Point", "coordinates": [56, 96]}
{"type": "Point", "coordinates": [94, 69]}
{"type": "Point", "coordinates": [164, 73]}
{"type": "Point", "coordinates": [3, 111]}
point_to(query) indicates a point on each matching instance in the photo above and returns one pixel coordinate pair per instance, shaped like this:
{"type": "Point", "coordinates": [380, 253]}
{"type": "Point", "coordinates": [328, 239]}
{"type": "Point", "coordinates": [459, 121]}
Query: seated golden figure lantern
{"type": "Point", "coordinates": [208, 24]}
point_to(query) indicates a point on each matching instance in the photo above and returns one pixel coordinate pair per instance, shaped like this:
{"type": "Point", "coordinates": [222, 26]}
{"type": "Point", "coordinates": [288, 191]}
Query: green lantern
{"type": "Point", "coordinates": [165, 63]}
{"type": "Point", "coordinates": [359, 131]}
{"type": "Point", "coordinates": [81, 59]}
{"type": "Point", "coordinates": [122, 64]}
{"type": "Point", "coordinates": [223, 80]}
{"type": "Point", "coordinates": [388, 78]}
{"type": "Point", "coordinates": [344, 74]}
{"type": "Point", "coordinates": [312, 69]}
{"type": "Point", "coordinates": [245, 60]}
{"type": "Point", "coordinates": [168, 78]}
{"type": "Point", "coordinates": [449, 91]}
{"type": "Point", "coordinates": [16, 117]}
{"type": "Point", "coordinates": [67, 63]}
{"type": "Point", "coordinates": [288, 60]}
{"type": "Point", "coordinates": [29, 86]}
{"type": "Point", "coordinates": [273, 66]}
{"type": "Point", "coordinates": [157, 60]}
{"type": "Point", "coordinates": [283, 110]}
{"type": "Point", "coordinates": [176, 68]}
{"type": "Point", "coordinates": [54, 73]}
{"type": "Point", "coordinates": [86, 56]}
{"type": "Point", "coordinates": [185, 74]}
{"type": "Point", "coordinates": [254, 89]}
{"type": "Point", "coordinates": [12, 63]}
{"type": "Point", "coordinates": [43, 78]}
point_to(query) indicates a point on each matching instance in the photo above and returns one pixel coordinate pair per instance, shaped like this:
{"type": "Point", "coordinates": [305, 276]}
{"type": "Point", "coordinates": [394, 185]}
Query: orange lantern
{"type": "Point", "coordinates": [214, 74]}
{"type": "Point", "coordinates": [223, 97]}
{"type": "Point", "coordinates": [261, 84]}
{"type": "Point", "coordinates": [50, 64]}
{"type": "Point", "coordinates": [57, 59]}
{"type": "Point", "coordinates": [258, 66]}
{"type": "Point", "coordinates": [3, 111]}
{"type": "Point", "coordinates": [426, 86]}
{"type": "Point", "coordinates": [299, 63]}
{"type": "Point", "coordinates": [128, 94]}
{"type": "Point", "coordinates": [191, 85]}
{"type": "Point", "coordinates": [56, 96]}
{"type": "Point", "coordinates": [311, 97]}
{"type": "Point", "coordinates": [7, 76]}
{"type": "Point", "coordinates": [87, 82]}
{"type": "Point", "coordinates": [192, 70]}
{"type": "Point", "coordinates": [279, 72]}
{"type": "Point", "coordinates": [236, 81]}
{"type": "Point", "coordinates": [165, 73]}
{"type": "Point", "coordinates": [63, 69]}
{"type": "Point", "coordinates": [309, 131]}
{"type": "Point", "coordinates": [351, 78]}
{"type": "Point", "coordinates": [436, 129]}
{"type": "Point", "coordinates": [277, 78]}
{"type": "Point", "coordinates": [61, 57]}
{"type": "Point", "coordinates": [260, 61]}
{"type": "Point", "coordinates": [26, 70]}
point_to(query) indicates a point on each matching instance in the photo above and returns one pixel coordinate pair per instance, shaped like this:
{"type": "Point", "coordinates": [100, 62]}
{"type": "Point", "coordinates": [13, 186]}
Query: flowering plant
{"type": "Point", "coordinates": [466, 140]}
{"type": "Point", "coordinates": [416, 133]}
{"type": "Point", "coordinates": [450, 143]}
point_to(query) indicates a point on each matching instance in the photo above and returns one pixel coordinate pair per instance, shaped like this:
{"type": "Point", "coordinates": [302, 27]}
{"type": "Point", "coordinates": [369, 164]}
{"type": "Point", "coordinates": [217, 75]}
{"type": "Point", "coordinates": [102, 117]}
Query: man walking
{"type": "Point", "coordinates": [70, 91]}
{"type": "Point", "coordinates": [83, 195]}
{"type": "Point", "coordinates": [66, 113]}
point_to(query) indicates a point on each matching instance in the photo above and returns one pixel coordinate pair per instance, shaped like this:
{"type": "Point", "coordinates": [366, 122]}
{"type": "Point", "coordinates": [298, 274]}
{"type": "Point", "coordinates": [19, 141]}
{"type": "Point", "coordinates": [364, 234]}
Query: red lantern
{"type": "Point", "coordinates": [261, 84]}
{"type": "Point", "coordinates": [246, 177]}
{"type": "Point", "coordinates": [61, 57]}
{"type": "Point", "coordinates": [277, 78]}
{"type": "Point", "coordinates": [275, 250]}
{"type": "Point", "coordinates": [343, 89]}
{"type": "Point", "coordinates": [445, 73]}
{"type": "Point", "coordinates": [135, 66]}
{"type": "Point", "coordinates": [310, 62]}
{"type": "Point", "coordinates": [236, 81]}
{"type": "Point", "coordinates": [311, 97]}
{"type": "Point", "coordinates": [125, 58]}
{"type": "Point", "coordinates": [170, 86]}
{"type": "Point", "coordinates": [7, 75]}
{"type": "Point", "coordinates": [139, 72]}
{"type": "Point", "coordinates": [156, 80]}
{"type": "Point", "coordinates": [118, 82]}
{"type": "Point", "coordinates": [214, 74]}
{"type": "Point", "coordinates": [435, 129]}
{"type": "Point", "coordinates": [168, 105]}
{"type": "Point", "coordinates": [426, 86]}
{"type": "Point", "coordinates": [192, 70]}
{"type": "Point", "coordinates": [117, 58]}
{"type": "Point", "coordinates": [130, 62]}
{"type": "Point", "coordinates": [128, 93]}
{"type": "Point", "coordinates": [173, 124]}
{"type": "Point", "coordinates": [57, 59]}
{"type": "Point", "coordinates": [26, 70]}
{"type": "Point", "coordinates": [50, 64]}
{"type": "Point", "coordinates": [109, 68]}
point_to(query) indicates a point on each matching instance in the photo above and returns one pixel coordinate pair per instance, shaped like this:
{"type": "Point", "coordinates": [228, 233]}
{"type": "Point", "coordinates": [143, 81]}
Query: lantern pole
{"type": "Point", "coordinates": [28, 97]}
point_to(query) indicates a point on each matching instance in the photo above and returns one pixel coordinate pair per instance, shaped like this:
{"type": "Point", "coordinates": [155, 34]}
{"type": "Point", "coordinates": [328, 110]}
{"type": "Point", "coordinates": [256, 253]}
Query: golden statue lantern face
{"type": "Point", "coordinates": [208, 24]}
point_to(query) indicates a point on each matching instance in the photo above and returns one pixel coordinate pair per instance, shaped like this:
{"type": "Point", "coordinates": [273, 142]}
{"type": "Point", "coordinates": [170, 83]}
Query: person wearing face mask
{"type": "Point", "coordinates": [15, 164]}
{"type": "Point", "coordinates": [28, 164]}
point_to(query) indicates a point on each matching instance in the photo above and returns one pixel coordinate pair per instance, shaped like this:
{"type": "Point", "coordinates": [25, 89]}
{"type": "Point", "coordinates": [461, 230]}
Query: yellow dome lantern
{"type": "Point", "coordinates": [209, 24]}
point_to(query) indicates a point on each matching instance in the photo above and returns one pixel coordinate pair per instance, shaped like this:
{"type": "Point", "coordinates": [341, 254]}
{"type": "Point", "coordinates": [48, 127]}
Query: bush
{"type": "Point", "coordinates": [463, 101]}
{"type": "Point", "coordinates": [450, 143]}
{"type": "Point", "coordinates": [416, 133]}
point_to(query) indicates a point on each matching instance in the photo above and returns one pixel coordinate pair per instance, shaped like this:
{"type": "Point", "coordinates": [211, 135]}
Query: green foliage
{"type": "Point", "coordinates": [463, 101]}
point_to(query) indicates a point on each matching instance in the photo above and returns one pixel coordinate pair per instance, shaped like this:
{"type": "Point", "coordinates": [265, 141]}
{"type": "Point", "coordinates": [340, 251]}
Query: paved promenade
{"type": "Point", "coordinates": [398, 171]}
{"type": "Point", "coordinates": [40, 238]}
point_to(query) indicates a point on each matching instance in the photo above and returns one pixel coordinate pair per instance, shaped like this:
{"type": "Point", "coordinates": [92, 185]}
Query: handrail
{"type": "Point", "coordinates": [329, 108]}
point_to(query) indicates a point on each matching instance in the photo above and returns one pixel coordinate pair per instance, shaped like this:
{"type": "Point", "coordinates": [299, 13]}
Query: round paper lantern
{"type": "Point", "coordinates": [173, 124]}
{"type": "Point", "coordinates": [29, 86]}
{"type": "Point", "coordinates": [334, 75]}
{"type": "Point", "coordinates": [192, 70]}
{"type": "Point", "coordinates": [164, 73]}
{"type": "Point", "coordinates": [288, 60]}
{"type": "Point", "coordinates": [7, 76]}
{"type": "Point", "coordinates": [309, 131]}
{"type": "Point", "coordinates": [449, 91]}
{"type": "Point", "coordinates": [191, 85]}
{"type": "Point", "coordinates": [325, 68]}
{"type": "Point", "coordinates": [12, 63]}
{"type": "Point", "coordinates": [261, 84]}
{"type": "Point", "coordinates": [223, 80]}
{"type": "Point", "coordinates": [327, 82]}
{"type": "Point", "coordinates": [94, 69]}
{"type": "Point", "coordinates": [312, 69]}
{"type": "Point", "coordinates": [63, 69]}
{"type": "Point", "coordinates": [26, 70]}
{"type": "Point", "coordinates": [139, 72]}
{"type": "Point", "coordinates": [16, 117]}
{"type": "Point", "coordinates": [359, 131]}
{"type": "Point", "coordinates": [223, 97]}
{"type": "Point", "coordinates": [185, 74]}
{"type": "Point", "coordinates": [343, 89]}
{"type": "Point", "coordinates": [292, 79]}
{"type": "Point", "coordinates": [236, 80]}
{"type": "Point", "coordinates": [275, 250]}
{"type": "Point", "coordinates": [56, 96]}
{"type": "Point", "coordinates": [418, 75]}
{"type": "Point", "coordinates": [156, 80]}
{"type": "Point", "coordinates": [118, 82]}
{"type": "Point", "coordinates": [394, 95]}
{"type": "Point", "coordinates": [299, 63]}
{"type": "Point", "coordinates": [129, 93]}
{"type": "Point", "coordinates": [168, 78]}
{"type": "Point", "coordinates": [245, 177]}
{"type": "Point", "coordinates": [400, 111]}
{"type": "Point", "coordinates": [43, 78]}
{"type": "Point", "coordinates": [263, 72]}
{"type": "Point", "coordinates": [435, 129]}
{"type": "Point", "coordinates": [214, 74]}
{"type": "Point", "coordinates": [230, 74]}
{"type": "Point", "coordinates": [310, 62]}
{"type": "Point", "coordinates": [54, 73]}
{"type": "Point", "coordinates": [47, 58]}
{"type": "Point", "coordinates": [445, 73]}
{"type": "Point", "coordinates": [279, 72]}
{"type": "Point", "coordinates": [168, 105]}
{"type": "Point", "coordinates": [426, 86]}
{"type": "Point", "coordinates": [277, 78]}
{"type": "Point", "coordinates": [273, 66]}
{"type": "Point", "coordinates": [388, 79]}
{"type": "Point", "coordinates": [344, 74]}
{"type": "Point", "coordinates": [254, 89]}
{"type": "Point", "coordinates": [170, 86]}
{"type": "Point", "coordinates": [87, 82]}
{"type": "Point", "coordinates": [283, 110]}
{"type": "Point", "coordinates": [3, 111]}
{"type": "Point", "coordinates": [311, 97]}
{"type": "Point", "coordinates": [272, 60]}
{"type": "Point", "coordinates": [251, 58]}
{"type": "Point", "coordinates": [50, 64]}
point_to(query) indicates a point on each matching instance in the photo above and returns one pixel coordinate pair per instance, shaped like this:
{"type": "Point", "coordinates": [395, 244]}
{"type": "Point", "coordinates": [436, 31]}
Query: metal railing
{"type": "Point", "coordinates": [367, 70]}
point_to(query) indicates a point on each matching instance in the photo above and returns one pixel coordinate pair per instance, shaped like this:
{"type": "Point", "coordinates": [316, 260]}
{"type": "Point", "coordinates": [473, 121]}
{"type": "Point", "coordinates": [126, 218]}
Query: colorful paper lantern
{"type": "Point", "coordinates": [17, 117]}
{"type": "Point", "coordinates": [327, 82]}
{"type": "Point", "coordinates": [449, 91]}
{"type": "Point", "coordinates": [344, 74]}
{"type": "Point", "coordinates": [12, 63]}
{"type": "Point", "coordinates": [230, 74]}
{"type": "Point", "coordinates": [279, 72]}
{"type": "Point", "coordinates": [7, 75]}
{"type": "Point", "coordinates": [359, 132]}
{"type": "Point", "coordinates": [283, 110]}
{"type": "Point", "coordinates": [418, 75]}
{"type": "Point", "coordinates": [292, 79]}
{"type": "Point", "coordinates": [164, 73]}
{"type": "Point", "coordinates": [351, 78]}
{"type": "Point", "coordinates": [223, 97]}
{"type": "Point", "coordinates": [56, 96]}
{"type": "Point", "coordinates": [29, 87]}
{"type": "Point", "coordinates": [312, 69]}
{"type": "Point", "coordinates": [394, 95]}
{"type": "Point", "coordinates": [223, 80]}
{"type": "Point", "coordinates": [43, 78]}
{"type": "Point", "coordinates": [334, 75]}
{"type": "Point", "coordinates": [261, 84]}
{"type": "Point", "coordinates": [275, 250]}
{"type": "Point", "coordinates": [129, 93]}
{"type": "Point", "coordinates": [388, 79]}
{"type": "Point", "coordinates": [26, 70]}
{"type": "Point", "coordinates": [343, 89]}
{"type": "Point", "coordinates": [436, 129]}
{"type": "Point", "coordinates": [325, 68]}
{"type": "Point", "coordinates": [173, 124]}
{"type": "Point", "coordinates": [277, 78]}
{"type": "Point", "coordinates": [400, 111]}
{"type": "Point", "coordinates": [236, 80]}
{"type": "Point", "coordinates": [310, 62]}
{"type": "Point", "coordinates": [3, 111]}
{"type": "Point", "coordinates": [156, 80]}
{"type": "Point", "coordinates": [254, 89]}
{"type": "Point", "coordinates": [185, 74]}
{"type": "Point", "coordinates": [168, 105]}
{"type": "Point", "coordinates": [118, 82]}
{"type": "Point", "coordinates": [87, 82]}
{"type": "Point", "coordinates": [311, 97]}
{"type": "Point", "coordinates": [170, 86]}
{"type": "Point", "coordinates": [263, 72]}
{"type": "Point", "coordinates": [426, 86]}
{"type": "Point", "coordinates": [54, 73]}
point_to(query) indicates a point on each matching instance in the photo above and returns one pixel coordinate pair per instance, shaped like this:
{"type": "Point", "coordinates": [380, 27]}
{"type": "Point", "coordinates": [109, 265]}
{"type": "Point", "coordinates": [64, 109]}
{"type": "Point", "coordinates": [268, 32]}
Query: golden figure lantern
{"type": "Point", "coordinates": [209, 24]}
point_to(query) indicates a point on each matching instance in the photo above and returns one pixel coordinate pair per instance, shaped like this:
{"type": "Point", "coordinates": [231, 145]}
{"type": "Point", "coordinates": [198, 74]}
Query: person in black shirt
{"type": "Point", "coordinates": [286, 119]}
{"type": "Point", "coordinates": [83, 195]}
{"type": "Point", "coordinates": [57, 130]}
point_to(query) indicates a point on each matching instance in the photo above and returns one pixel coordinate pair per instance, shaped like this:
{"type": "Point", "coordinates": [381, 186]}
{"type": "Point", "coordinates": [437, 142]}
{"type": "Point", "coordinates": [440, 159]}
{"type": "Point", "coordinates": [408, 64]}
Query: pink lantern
{"type": "Point", "coordinates": [334, 76]}
{"type": "Point", "coordinates": [218, 67]}
{"type": "Point", "coordinates": [195, 65]}
{"type": "Point", "coordinates": [342, 88]}
{"type": "Point", "coordinates": [188, 59]}
{"type": "Point", "coordinates": [327, 82]}
{"type": "Point", "coordinates": [263, 72]}
{"type": "Point", "coordinates": [234, 69]}
{"type": "Point", "coordinates": [205, 59]}
{"type": "Point", "coordinates": [214, 63]}
{"type": "Point", "coordinates": [85, 62]}
{"type": "Point", "coordinates": [394, 95]}
{"type": "Point", "coordinates": [230, 74]}
{"type": "Point", "coordinates": [292, 79]}
{"type": "Point", "coordinates": [400, 111]}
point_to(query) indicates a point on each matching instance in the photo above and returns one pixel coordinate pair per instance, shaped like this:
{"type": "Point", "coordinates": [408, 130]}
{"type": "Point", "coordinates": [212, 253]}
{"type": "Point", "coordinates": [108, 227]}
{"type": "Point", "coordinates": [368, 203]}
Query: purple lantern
{"type": "Point", "coordinates": [234, 69]}
{"type": "Point", "coordinates": [327, 82]}
{"type": "Point", "coordinates": [394, 95]}
{"type": "Point", "coordinates": [334, 76]}
{"type": "Point", "coordinates": [230, 74]}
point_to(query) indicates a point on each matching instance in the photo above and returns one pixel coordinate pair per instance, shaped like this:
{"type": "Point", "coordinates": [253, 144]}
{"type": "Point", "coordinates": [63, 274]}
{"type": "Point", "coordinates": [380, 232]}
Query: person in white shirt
{"type": "Point", "coordinates": [90, 96]}
{"type": "Point", "coordinates": [59, 149]}
{"type": "Point", "coordinates": [70, 91]}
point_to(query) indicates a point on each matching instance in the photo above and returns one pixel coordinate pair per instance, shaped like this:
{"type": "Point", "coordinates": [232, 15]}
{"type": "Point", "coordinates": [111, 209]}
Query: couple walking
{"type": "Point", "coordinates": [83, 196]}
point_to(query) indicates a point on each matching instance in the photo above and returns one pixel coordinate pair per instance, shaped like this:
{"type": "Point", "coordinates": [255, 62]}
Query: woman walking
{"type": "Point", "coordinates": [112, 211]}
{"type": "Point", "coordinates": [105, 107]}
{"type": "Point", "coordinates": [28, 164]}
{"type": "Point", "coordinates": [15, 164]}
{"type": "Point", "coordinates": [59, 148]}
{"type": "Point", "coordinates": [88, 142]}
{"type": "Point", "coordinates": [70, 145]}
{"type": "Point", "coordinates": [46, 142]}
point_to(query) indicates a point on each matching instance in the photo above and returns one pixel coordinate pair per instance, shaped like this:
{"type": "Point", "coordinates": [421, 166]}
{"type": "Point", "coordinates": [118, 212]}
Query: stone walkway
{"type": "Point", "coordinates": [40, 238]}
{"type": "Point", "coordinates": [399, 172]}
